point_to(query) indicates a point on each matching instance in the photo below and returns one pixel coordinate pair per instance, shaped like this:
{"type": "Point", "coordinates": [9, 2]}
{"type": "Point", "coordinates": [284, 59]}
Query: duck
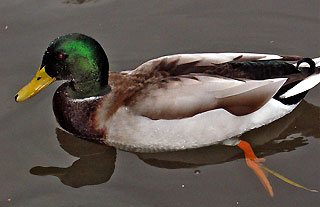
{"type": "Point", "coordinates": [174, 102]}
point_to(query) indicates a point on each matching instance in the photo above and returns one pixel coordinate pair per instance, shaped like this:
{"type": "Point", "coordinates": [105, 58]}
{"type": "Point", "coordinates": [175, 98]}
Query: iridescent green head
{"type": "Point", "coordinates": [74, 57]}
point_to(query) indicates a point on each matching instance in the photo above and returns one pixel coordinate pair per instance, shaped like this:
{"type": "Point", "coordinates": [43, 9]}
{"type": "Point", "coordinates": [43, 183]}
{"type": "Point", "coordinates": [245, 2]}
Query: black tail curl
{"type": "Point", "coordinates": [311, 63]}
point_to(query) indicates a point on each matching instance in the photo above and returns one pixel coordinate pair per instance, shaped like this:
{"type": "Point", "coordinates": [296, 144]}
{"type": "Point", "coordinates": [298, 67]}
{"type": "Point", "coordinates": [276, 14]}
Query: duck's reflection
{"type": "Point", "coordinates": [97, 162]}
{"type": "Point", "coordinates": [95, 166]}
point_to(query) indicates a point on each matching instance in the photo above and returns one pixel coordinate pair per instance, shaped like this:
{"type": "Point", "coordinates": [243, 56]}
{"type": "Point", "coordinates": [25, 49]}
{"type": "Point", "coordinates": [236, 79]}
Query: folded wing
{"type": "Point", "coordinates": [186, 96]}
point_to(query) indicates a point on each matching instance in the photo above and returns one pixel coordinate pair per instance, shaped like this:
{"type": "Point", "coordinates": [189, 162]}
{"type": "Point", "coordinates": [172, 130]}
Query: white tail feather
{"type": "Point", "coordinates": [317, 61]}
{"type": "Point", "coordinates": [306, 84]}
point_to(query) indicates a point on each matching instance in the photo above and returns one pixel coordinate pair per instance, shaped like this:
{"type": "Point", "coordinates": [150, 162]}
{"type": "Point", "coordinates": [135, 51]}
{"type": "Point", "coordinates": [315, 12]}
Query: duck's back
{"type": "Point", "coordinates": [187, 84]}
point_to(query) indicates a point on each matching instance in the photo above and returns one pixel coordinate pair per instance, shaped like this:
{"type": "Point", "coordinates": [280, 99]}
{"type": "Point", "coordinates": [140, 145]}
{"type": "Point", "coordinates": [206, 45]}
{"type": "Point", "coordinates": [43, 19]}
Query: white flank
{"type": "Point", "coordinates": [128, 131]}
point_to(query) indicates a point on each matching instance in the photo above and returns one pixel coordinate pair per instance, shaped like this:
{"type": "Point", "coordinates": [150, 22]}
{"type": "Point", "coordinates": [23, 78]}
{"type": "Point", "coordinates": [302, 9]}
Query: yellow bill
{"type": "Point", "coordinates": [39, 82]}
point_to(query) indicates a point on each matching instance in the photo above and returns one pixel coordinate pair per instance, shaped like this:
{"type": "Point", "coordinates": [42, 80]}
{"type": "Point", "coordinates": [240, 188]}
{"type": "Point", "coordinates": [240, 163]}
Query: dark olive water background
{"type": "Point", "coordinates": [132, 32]}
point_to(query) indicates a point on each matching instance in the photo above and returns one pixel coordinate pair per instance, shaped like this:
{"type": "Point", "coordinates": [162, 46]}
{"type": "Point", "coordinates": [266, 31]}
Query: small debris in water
{"type": "Point", "coordinates": [237, 203]}
{"type": "Point", "coordinates": [197, 172]}
{"type": "Point", "coordinates": [182, 185]}
{"type": "Point", "coordinates": [9, 199]}
{"type": "Point", "coordinates": [271, 41]}
{"type": "Point", "coordinates": [6, 27]}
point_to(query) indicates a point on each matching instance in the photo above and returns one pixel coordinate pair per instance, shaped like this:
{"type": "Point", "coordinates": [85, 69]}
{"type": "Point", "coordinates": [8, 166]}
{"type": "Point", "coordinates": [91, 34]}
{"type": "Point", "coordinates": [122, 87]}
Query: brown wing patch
{"type": "Point", "coordinates": [291, 57]}
{"type": "Point", "coordinates": [245, 103]}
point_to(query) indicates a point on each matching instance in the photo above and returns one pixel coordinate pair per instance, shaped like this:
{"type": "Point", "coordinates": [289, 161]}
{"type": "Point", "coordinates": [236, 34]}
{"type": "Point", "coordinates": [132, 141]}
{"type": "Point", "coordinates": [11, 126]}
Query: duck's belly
{"type": "Point", "coordinates": [136, 133]}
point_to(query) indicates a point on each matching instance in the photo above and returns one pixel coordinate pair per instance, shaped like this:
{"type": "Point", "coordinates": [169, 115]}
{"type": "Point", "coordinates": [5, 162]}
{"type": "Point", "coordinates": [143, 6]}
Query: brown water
{"type": "Point", "coordinates": [87, 174]}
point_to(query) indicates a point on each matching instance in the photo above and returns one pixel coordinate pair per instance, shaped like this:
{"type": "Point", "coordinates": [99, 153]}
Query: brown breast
{"type": "Point", "coordinates": [76, 115]}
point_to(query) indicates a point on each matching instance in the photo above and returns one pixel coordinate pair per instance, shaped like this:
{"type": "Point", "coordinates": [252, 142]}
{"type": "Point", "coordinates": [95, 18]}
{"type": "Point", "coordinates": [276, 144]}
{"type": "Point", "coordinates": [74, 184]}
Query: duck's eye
{"type": "Point", "coordinates": [60, 56]}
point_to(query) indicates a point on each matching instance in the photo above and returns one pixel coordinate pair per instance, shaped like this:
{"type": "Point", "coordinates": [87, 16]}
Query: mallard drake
{"type": "Point", "coordinates": [173, 102]}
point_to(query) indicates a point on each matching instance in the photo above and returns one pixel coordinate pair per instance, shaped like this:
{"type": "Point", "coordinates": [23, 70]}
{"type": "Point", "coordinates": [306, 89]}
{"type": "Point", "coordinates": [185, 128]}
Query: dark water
{"type": "Point", "coordinates": [44, 166]}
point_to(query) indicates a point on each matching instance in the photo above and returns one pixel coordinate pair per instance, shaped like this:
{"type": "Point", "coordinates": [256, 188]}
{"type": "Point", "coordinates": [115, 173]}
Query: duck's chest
{"type": "Point", "coordinates": [77, 116]}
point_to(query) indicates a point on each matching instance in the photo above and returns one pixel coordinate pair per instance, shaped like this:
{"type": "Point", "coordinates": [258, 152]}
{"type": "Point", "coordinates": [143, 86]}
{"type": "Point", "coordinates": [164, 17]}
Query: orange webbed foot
{"type": "Point", "coordinates": [253, 163]}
